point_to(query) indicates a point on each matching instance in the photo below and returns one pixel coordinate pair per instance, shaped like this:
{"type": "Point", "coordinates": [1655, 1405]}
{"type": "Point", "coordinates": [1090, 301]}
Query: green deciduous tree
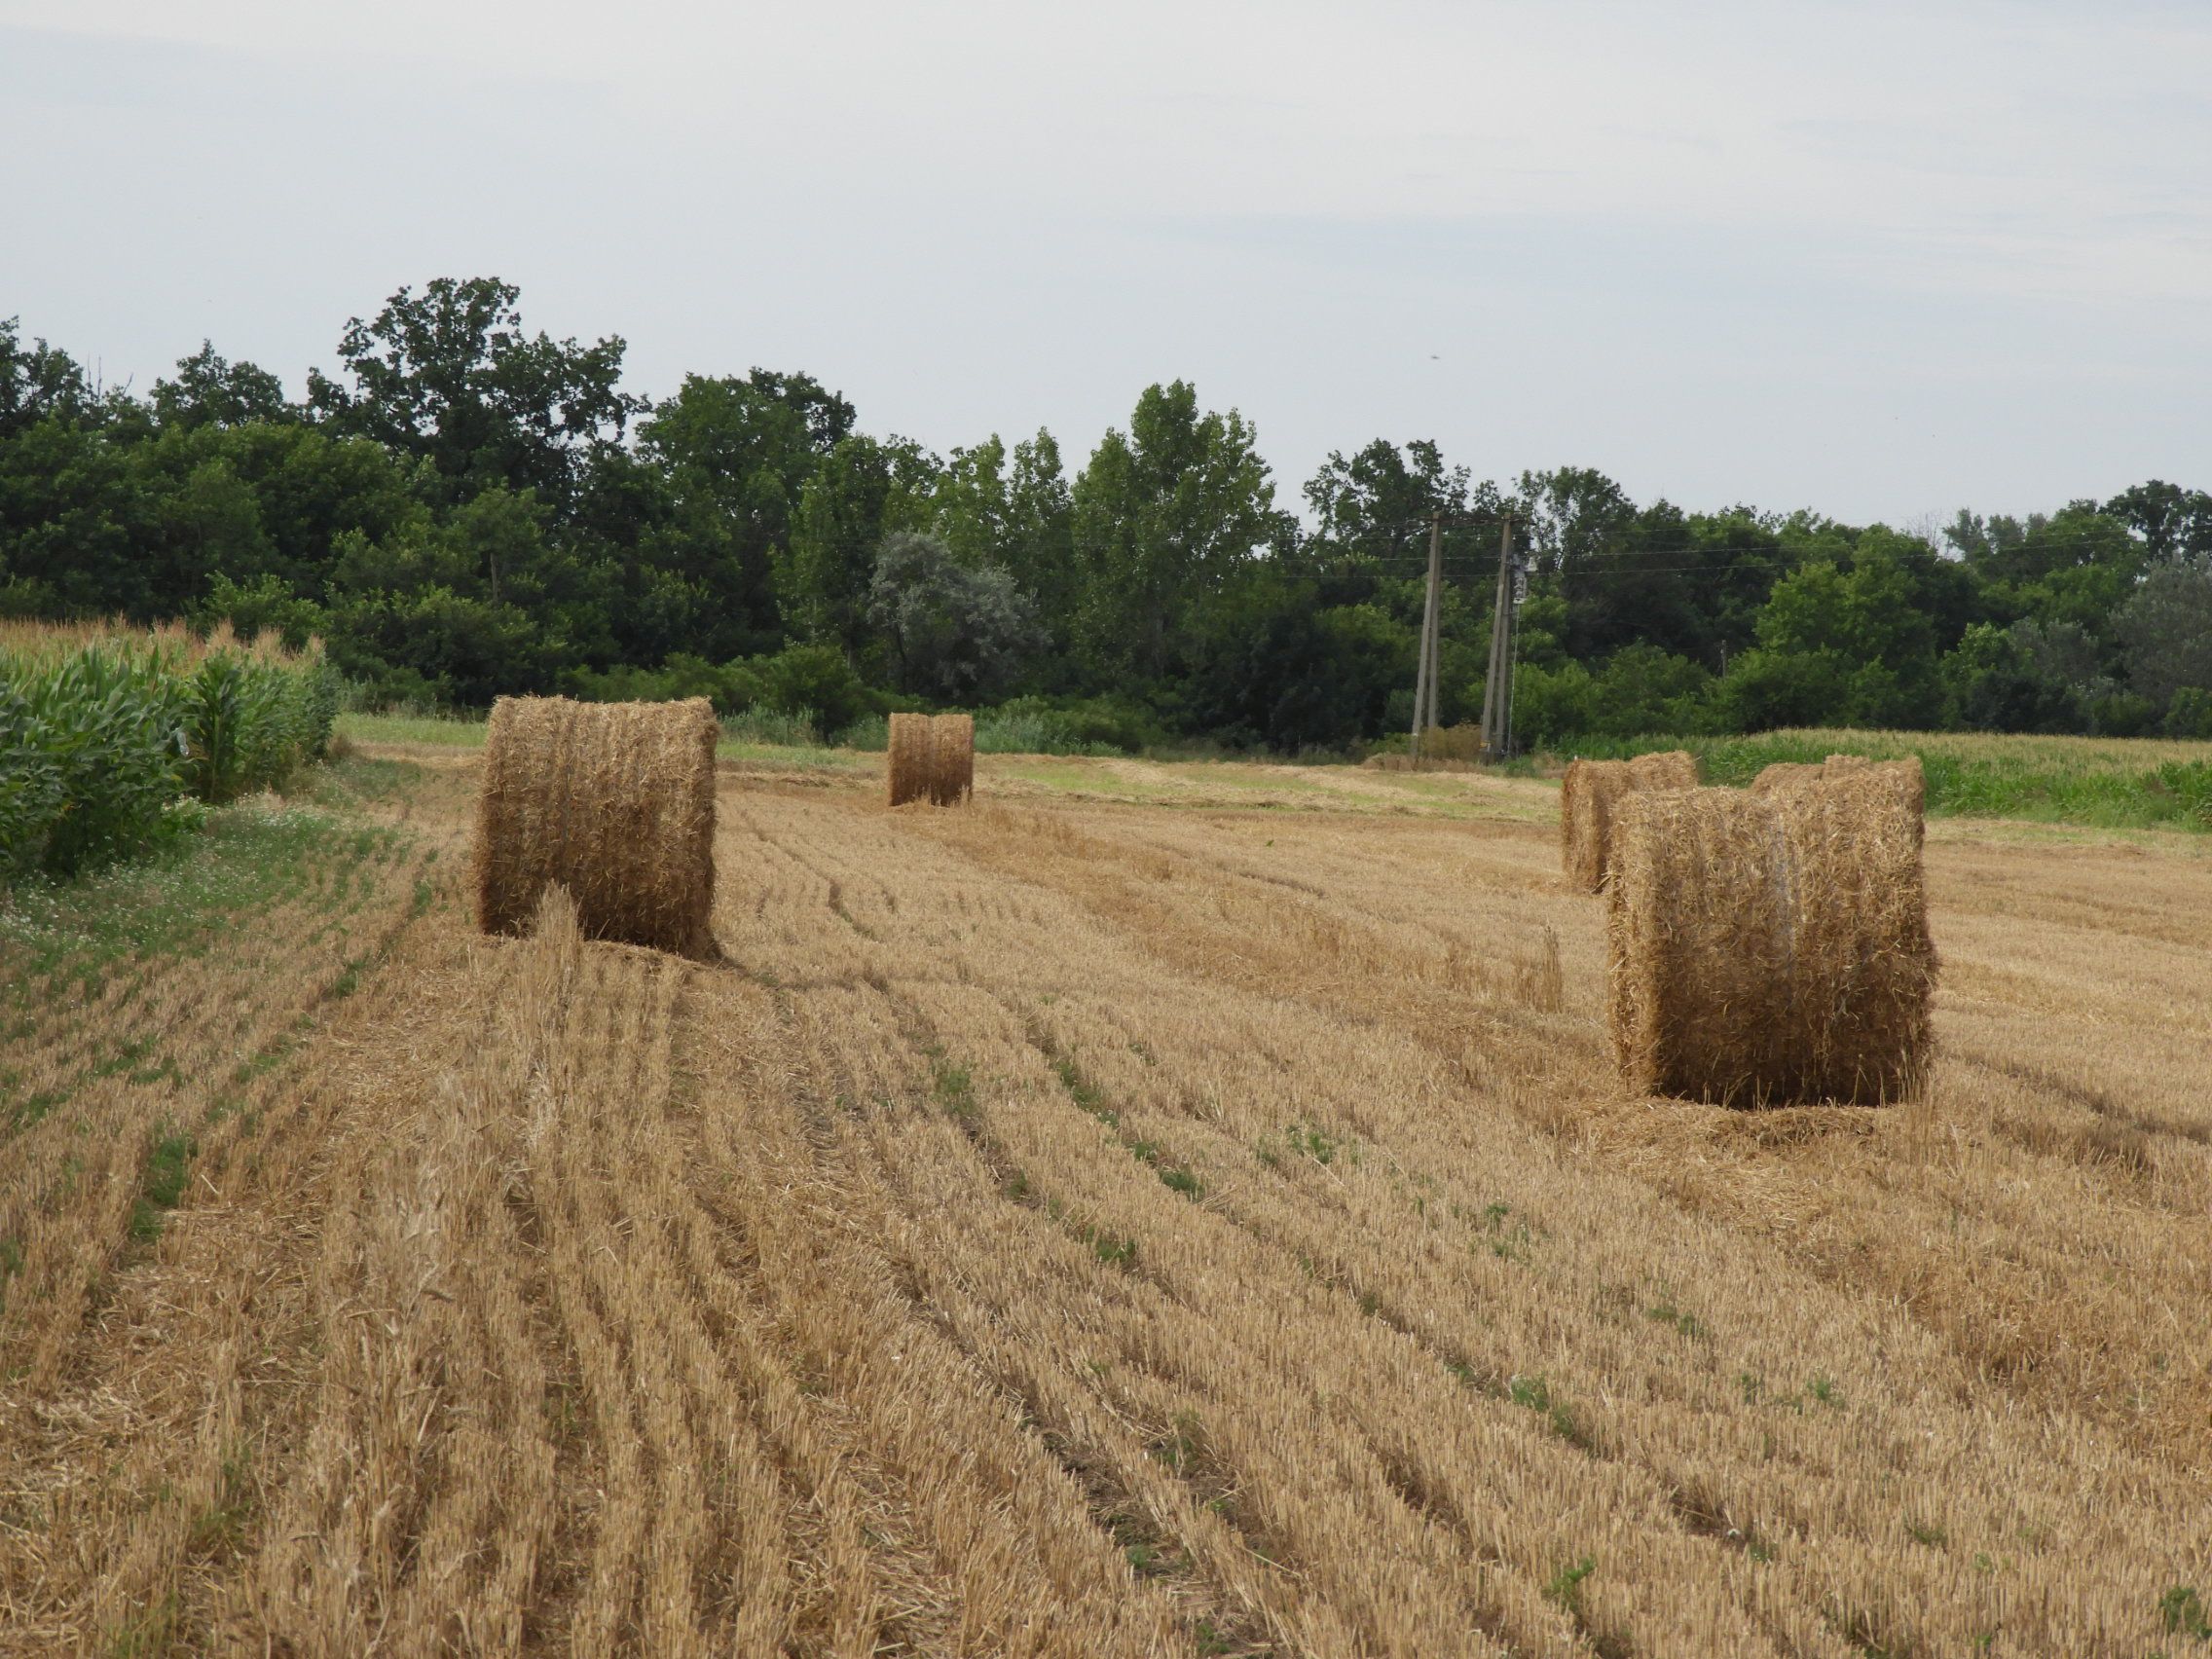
{"type": "Point", "coordinates": [1376, 505]}
{"type": "Point", "coordinates": [1992, 682]}
{"type": "Point", "coordinates": [73, 524]}
{"type": "Point", "coordinates": [210, 390]}
{"type": "Point", "coordinates": [2171, 520]}
{"type": "Point", "coordinates": [2165, 629]}
{"type": "Point", "coordinates": [711, 511]}
{"type": "Point", "coordinates": [1011, 509]}
{"type": "Point", "coordinates": [1263, 665]}
{"type": "Point", "coordinates": [864, 490]}
{"type": "Point", "coordinates": [450, 376]}
{"type": "Point", "coordinates": [1865, 618]}
{"type": "Point", "coordinates": [954, 632]}
{"type": "Point", "coordinates": [1763, 689]}
{"type": "Point", "coordinates": [1553, 705]}
{"type": "Point", "coordinates": [1164, 515]}
{"type": "Point", "coordinates": [37, 382]}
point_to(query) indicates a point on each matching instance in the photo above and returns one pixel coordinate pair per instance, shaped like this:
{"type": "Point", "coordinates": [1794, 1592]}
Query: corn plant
{"type": "Point", "coordinates": [91, 758]}
{"type": "Point", "coordinates": [101, 737]}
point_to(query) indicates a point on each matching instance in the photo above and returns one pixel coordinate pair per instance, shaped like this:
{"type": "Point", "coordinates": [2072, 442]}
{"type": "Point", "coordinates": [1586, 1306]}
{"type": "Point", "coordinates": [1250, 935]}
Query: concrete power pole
{"type": "Point", "coordinates": [1498, 682]}
{"type": "Point", "coordinates": [1425, 675]}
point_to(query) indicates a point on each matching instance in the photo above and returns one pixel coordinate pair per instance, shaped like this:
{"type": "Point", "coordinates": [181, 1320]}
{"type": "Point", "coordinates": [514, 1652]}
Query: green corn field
{"type": "Point", "coordinates": [108, 735]}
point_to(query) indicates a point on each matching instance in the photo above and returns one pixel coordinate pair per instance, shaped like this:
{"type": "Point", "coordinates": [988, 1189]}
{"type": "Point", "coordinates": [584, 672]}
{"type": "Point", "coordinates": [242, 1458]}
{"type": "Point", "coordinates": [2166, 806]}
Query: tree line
{"type": "Point", "coordinates": [464, 508]}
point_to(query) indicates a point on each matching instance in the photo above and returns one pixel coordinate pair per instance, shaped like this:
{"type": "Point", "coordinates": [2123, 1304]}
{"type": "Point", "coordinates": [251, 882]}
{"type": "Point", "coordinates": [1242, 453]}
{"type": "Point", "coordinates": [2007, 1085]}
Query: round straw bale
{"type": "Point", "coordinates": [1905, 777]}
{"type": "Point", "coordinates": [1670, 769]}
{"type": "Point", "coordinates": [614, 801]}
{"type": "Point", "coordinates": [952, 759]}
{"type": "Point", "coordinates": [1768, 949]}
{"type": "Point", "coordinates": [908, 758]}
{"type": "Point", "coordinates": [1586, 797]}
{"type": "Point", "coordinates": [1789, 776]}
{"type": "Point", "coordinates": [1590, 792]}
{"type": "Point", "coordinates": [1785, 775]}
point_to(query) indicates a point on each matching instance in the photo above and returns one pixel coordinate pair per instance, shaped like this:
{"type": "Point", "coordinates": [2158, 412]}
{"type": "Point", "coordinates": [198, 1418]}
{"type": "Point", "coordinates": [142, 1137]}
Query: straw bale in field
{"type": "Point", "coordinates": [614, 801]}
{"type": "Point", "coordinates": [1588, 796]}
{"type": "Point", "coordinates": [931, 758]}
{"type": "Point", "coordinates": [908, 758]}
{"type": "Point", "coordinates": [952, 759]}
{"type": "Point", "coordinates": [1769, 950]}
{"type": "Point", "coordinates": [1791, 775]}
{"type": "Point", "coordinates": [1670, 769]}
{"type": "Point", "coordinates": [1903, 777]}
{"type": "Point", "coordinates": [1784, 776]}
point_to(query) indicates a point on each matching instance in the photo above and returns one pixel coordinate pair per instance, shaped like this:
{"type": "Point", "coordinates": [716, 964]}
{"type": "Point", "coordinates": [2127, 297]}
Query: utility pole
{"type": "Point", "coordinates": [1428, 721]}
{"type": "Point", "coordinates": [1497, 683]}
{"type": "Point", "coordinates": [1425, 675]}
{"type": "Point", "coordinates": [1513, 650]}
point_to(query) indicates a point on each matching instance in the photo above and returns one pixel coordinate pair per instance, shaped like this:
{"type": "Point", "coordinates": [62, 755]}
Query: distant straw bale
{"type": "Point", "coordinates": [1773, 949]}
{"type": "Point", "coordinates": [952, 759]}
{"type": "Point", "coordinates": [908, 758]}
{"type": "Point", "coordinates": [1588, 796]}
{"type": "Point", "coordinates": [1787, 776]}
{"type": "Point", "coordinates": [614, 801]}
{"type": "Point", "coordinates": [1670, 769]}
{"type": "Point", "coordinates": [930, 757]}
{"type": "Point", "coordinates": [1784, 776]}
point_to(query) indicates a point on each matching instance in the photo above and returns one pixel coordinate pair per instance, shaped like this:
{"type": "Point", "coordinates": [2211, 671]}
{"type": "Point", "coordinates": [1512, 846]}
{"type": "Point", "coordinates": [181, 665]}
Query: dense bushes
{"type": "Point", "coordinates": [104, 737]}
{"type": "Point", "coordinates": [814, 682]}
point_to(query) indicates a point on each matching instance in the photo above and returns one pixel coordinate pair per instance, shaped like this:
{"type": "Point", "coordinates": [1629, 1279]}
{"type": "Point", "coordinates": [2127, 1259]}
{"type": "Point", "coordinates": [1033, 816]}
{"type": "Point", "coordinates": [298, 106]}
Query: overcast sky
{"type": "Point", "coordinates": [1879, 260]}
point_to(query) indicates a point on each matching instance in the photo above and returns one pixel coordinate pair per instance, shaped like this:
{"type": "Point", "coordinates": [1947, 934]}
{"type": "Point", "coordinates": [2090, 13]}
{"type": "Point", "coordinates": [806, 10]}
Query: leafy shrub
{"type": "Point", "coordinates": [2190, 782]}
{"type": "Point", "coordinates": [870, 734]}
{"type": "Point", "coordinates": [732, 688]}
{"type": "Point", "coordinates": [2189, 713]}
{"type": "Point", "coordinates": [1036, 726]}
{"type": "Point", "coordinates": [773, 727]}
{"type": "Point", "coordinates": [813, 684]}
{"type": "Point", "coordinates": [815, 681]}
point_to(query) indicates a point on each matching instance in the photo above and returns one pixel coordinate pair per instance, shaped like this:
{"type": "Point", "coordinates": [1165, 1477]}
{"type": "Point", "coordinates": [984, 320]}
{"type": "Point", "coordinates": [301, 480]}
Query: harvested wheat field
{"type": "Point", "coordinates": [1148, 1212]}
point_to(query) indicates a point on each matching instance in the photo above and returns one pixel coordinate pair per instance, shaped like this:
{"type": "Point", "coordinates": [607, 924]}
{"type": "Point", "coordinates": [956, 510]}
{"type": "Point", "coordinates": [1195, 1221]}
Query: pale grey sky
{"type": "Point", "coordinates": [1880, 260]}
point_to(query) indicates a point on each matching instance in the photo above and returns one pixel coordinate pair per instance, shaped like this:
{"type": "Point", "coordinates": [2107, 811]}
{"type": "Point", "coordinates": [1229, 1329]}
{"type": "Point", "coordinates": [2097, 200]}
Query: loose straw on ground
{"type": "Point", "coordinates": [614, 801]}
{"type": "Point", "coordinates": [1773, 949]}
{"type": "Point", "coordinates": [1587, 799]}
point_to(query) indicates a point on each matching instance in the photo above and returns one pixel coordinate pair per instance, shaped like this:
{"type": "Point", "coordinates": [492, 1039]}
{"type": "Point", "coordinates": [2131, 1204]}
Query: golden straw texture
{"type": "Point", "coordinates": [952, 759]}
{"type": "Point", "coordinates": [906, 758]}
{"type": "Point", "coordinates": [614, 801]}
{"type": "Point", "coordinates": [1588, 796]}
{"type": "Point", "coordinates": [1784, 776]}
{"type": "Point", "coordinates": [1787, 776]}
{"type": "Point", "coordinates": [931, 758]}
{"type": "Point", "coordinates": [1773, 949]}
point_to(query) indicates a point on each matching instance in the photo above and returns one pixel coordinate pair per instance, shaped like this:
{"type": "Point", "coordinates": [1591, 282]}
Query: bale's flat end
{"type": "Point", "coordinates": [1773, 949]}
